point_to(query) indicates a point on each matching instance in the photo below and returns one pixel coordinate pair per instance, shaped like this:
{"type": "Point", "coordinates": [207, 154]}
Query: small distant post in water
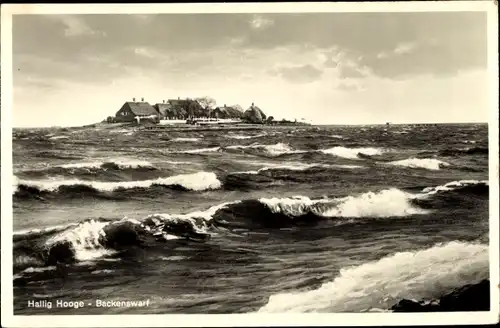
{"type": "Point", "coordinates": [133, 99]}
{"type": "Point", "coordinates": [142, 99]}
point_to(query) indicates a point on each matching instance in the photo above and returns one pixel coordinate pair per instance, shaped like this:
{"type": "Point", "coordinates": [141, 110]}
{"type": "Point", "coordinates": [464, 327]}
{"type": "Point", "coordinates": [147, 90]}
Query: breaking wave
{"type": "Point", "coordinates": [198, 151]}
{"type": "Point", "coordinates": [196, 182]}
{"type": "Point", "coordinates": [185, 139]}
{"type": "Point", "coordinates": [422, 274]}
{"type": "Point", "coordinates": [97, 238]}
{"type": "Point", "coordinates": [122, 164]}
{"type": "Point", "coordinates": [295, 166]}
{"type": "Point", "coordinates": [352, 153]}
{"type": "Point", "coordinates": [58, 137]}
{"type": "Point", "coordinates": [242, 137]}
{"type": "Point", "coordinates": [423, 163]}
{"type": "Point", "coordinates": [385, 203]}
{"type": "Point", "coordinates": [272, 150]}
{"type": "Point", "coordinates": [94, 239]}
{"type": "Point", "coordinates": [454, 185]}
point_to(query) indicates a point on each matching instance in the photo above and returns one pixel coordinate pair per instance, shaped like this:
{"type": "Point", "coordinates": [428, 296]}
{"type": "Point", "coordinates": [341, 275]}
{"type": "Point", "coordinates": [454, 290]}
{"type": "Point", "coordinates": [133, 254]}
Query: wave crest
{"type": "Point", "coordinates": [424, 163]}
{"type": "Point", "coordinates": [453, 185]}
{"type": "Point", "coordinates": [122, 164]}
{"type": "Point", "coordinates": [380, 284]}
{"type": "Point", "coordinates": [272, 150]}
{"type": "Point", "coordinates": [385, 203]}
{"type": "Point", "coordinates": [185, 139]}
{"type": "Point", "coordinates": [196, 182]}
{"type": "Point", "coordinates": [352, 153]}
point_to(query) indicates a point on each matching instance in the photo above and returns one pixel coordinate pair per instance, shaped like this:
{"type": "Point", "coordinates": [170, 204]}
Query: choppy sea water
{"type": "Point", "coordinates": [295, 219]}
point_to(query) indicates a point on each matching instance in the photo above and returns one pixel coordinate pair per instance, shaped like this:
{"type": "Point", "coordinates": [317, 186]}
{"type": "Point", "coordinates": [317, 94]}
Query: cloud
{"type": "Point", "coordinates": [74, 26]}
{"type": "Point", "coordinates": [348, 87]}
{"type": "Point", "coordinates": [236, 41]}
{"type": "Point", "coordinates": [347, 71]}
{"type": "Point", "coordinates": [36, 83]}
{"type": "Point", "coordinates": [405, 48]}
{"type": "Point", "coordinates": [440, 43]}
{"type": "Point", "coordinates": [145, 52]}
{"type": "Point", "coordinates": [260, 23]}
{"type": "Point", "coordinates": [308, 55]}
{"type": "Point", "coordinates": [382, 55]}
{"type": "Point", "coordinates": [299, 74]}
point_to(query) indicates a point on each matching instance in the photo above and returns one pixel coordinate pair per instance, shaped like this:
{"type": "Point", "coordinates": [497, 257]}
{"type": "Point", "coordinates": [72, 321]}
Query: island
{"type": "Point", "coordinates": [200, 111]}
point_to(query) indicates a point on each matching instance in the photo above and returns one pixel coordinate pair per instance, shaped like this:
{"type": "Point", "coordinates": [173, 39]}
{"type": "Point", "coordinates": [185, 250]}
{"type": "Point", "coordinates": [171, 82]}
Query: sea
{"type": "Point", "coordinates": [259, 220]}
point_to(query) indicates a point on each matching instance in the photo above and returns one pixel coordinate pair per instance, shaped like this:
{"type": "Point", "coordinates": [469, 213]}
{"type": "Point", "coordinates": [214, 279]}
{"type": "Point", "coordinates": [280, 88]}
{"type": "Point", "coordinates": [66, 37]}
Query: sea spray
{"type": "Point", "coordinates": [352, 153]}
{"type": "Point", "coordinates": [420, 274]}
{"type": "Point", "coordinates": [196, 182]}
{"type": "Point", "coordinates": [424, 163]}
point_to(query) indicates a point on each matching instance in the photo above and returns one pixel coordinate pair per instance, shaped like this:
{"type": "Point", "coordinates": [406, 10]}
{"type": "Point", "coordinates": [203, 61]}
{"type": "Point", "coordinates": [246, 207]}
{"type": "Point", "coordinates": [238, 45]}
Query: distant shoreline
{"type": "Point", "coordinates": [240, 126]}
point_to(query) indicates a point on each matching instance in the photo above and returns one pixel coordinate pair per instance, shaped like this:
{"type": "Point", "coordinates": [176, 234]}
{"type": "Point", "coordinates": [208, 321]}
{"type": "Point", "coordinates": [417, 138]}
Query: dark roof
{"type": "Point", "coordinates": [253, 107]}
{"type": "Point", "coordinates": [160, 106]}
{"type": "Point", "coordinates": [141, 108]}
{"type": "Point", "coordinates": [176, 101]}
{"type": "Point", "coordinates": [172, 107]}
{"type": "Point", "coordinates": [254, 114]}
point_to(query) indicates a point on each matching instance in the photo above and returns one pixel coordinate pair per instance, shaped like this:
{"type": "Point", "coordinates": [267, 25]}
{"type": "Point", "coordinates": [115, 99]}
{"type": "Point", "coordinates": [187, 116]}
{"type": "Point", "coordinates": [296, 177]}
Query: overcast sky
{"type": "Point", "coordinates": [337, 68]}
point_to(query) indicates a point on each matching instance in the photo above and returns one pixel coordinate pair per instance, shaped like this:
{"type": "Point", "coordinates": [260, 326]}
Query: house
{"type": "Point", "coordinates": [254, 115]}
{"type": "Point", "coordinates": [170, 110]}
{"type": "Point", "coordinates": [134, 111]}
{"type": "Point", "coordinates": [226, 112]}
{"type": "Point", "coordinates": [180, 109]}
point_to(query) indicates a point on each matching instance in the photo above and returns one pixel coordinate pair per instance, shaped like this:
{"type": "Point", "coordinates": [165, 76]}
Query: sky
{"type": "Point", "coordinates": [326, 68]}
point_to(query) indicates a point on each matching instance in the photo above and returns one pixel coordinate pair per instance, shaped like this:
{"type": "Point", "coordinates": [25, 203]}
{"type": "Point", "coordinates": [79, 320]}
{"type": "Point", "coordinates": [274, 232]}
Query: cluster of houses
{"type": "Point", "coordinates": [188, 110]}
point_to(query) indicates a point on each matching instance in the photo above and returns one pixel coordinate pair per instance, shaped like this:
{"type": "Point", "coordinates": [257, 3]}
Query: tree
{"type": "Point", "coordinates": [238, 107]}
{"type": "Point", "coordinates": [208, 103]}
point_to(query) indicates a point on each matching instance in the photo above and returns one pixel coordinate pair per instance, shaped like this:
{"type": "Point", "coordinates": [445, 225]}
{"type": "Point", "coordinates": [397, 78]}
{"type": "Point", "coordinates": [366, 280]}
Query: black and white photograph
{"type": "Point", "coordinates": [235, 159]}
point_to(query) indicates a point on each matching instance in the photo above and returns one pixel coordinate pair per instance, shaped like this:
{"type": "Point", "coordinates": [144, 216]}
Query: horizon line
{"type": "Point", "coordinates": [308, 124]}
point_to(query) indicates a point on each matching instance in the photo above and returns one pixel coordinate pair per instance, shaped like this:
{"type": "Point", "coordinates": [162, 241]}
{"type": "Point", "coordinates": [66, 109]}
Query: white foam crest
{"type": "Point", "coordinates": [58, 137]}
{"type": "Point", "coordinates": [452, 186]}
{"type": "Point", "coordinates": [119, 131]}
{"type": "Point", "coordinates": [386, 203]}
{"type": "Point", "coordinates": [241, 137]}
{"type": "Point", "coordinates": [201, 150]}
{"type": "Point", "coordinates": [166, 218]}
{"type": "Point", "coordinates": [206, 215]}
{"type": "Point", "coordinates": [172, 258]}
{"type": "Point", "coordinates": [195, 181]}
{"type": "Point", "coordinates": [382, 204]}
{"type": "Point", "coordinates": [299, 167]}
{"type": "Point", "coordinates": [352, 153]}
{"type": "Point", "coordinates": [422, 274]}
{"type": "Point", "coordinates": [185, 139]}
{"type": "Point", "coordinates": [43, 230]}
{"type": "Point", "coordinates": [273, 150]}
{"type": "Point", "coordinates": [85, 240]}
{"type": "Point", "coordinates": [178, 162]}
{"type": "Point", "coordinates": [293, 206]}
{"type": "Point", "coordinates": [425, 163]}
{"type": "Point", "coordinates": [105, 271]}
{"type": "Point", "coordinates": [38, 269]}
{"type": "Point", "coordinates": [123, 163]}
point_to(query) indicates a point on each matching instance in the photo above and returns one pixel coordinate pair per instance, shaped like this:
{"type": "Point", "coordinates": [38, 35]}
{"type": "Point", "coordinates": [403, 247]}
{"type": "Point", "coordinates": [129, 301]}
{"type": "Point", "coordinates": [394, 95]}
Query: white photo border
{"type": "Point", "coordinates": [253, 319]}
